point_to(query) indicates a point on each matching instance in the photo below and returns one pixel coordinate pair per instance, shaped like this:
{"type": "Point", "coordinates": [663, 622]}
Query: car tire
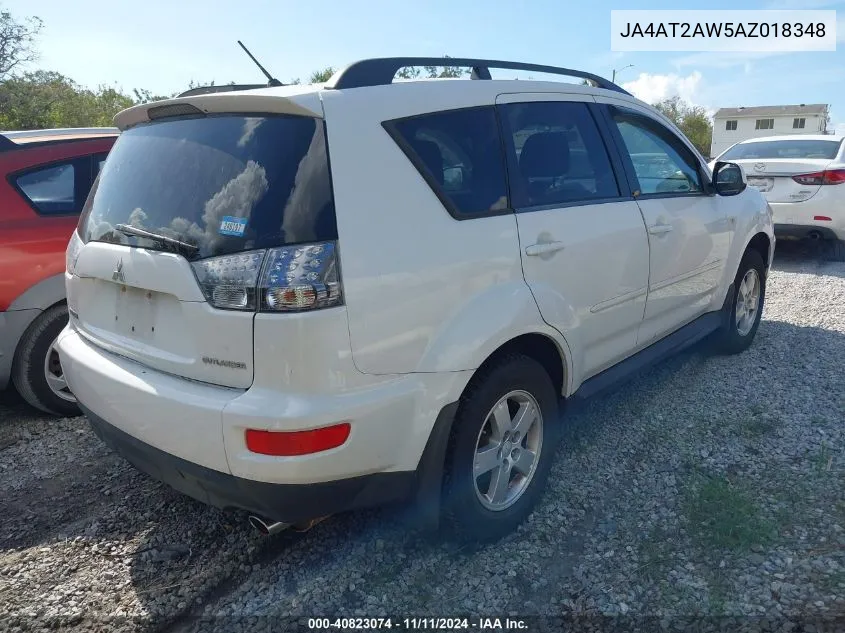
{"type": "Point", "coordinates": [749, 292]}
{"type": "Point", "coordinates": [836, 251]}
{"type": "Point", "coordinates": [474, 509]}
{"type": "Point", "coordinates": [36, 372]}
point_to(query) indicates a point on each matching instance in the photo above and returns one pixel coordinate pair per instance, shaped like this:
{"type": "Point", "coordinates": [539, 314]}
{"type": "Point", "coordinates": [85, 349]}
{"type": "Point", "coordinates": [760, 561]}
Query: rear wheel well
{"type": "Point", "coordinates": [761, 244]}
{"type": "Point", "coordinates": [537, 346]}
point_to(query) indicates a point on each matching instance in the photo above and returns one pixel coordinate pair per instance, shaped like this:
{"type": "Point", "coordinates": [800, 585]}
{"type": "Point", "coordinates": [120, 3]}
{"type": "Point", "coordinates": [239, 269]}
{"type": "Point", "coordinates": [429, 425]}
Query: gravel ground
{"type": "Point", "coordinates": [710, 486]}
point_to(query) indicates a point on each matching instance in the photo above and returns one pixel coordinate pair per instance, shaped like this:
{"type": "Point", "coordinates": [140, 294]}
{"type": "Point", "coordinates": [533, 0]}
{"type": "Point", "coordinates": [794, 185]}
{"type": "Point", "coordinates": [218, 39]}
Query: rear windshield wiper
{"type": "Point", "coordinates": [127, 229]}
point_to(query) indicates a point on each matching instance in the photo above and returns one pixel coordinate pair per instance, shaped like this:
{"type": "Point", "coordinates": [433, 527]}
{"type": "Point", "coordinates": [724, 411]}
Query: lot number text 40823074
{"type": "Point", "coordinates": [419, 624]}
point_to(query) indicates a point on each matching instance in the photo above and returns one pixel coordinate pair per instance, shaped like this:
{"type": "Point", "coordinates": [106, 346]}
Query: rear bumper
{"type": "Point", "coordinates": [12, 326]}
{"type": "Point", "coordinates": [803, 231]}
{"type": "Point", "coordinates": [289, 503]}
{"type": "Point", "coordinates": [798, 219]}
{"type": "Point", "coordinates": [192, 435]}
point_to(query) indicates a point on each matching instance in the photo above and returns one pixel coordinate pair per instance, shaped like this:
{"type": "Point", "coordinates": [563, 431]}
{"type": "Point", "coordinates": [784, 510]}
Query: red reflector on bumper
{"type": "Point", "coordinates": [290, 443]}
{"type": "Point", "coordinates": [822, 218]}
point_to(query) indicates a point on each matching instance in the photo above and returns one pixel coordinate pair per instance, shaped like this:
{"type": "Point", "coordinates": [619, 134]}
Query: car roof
{"type": "Point", "coordinates": [306, 99]}
{"type": "Point", "coordinates": [791, 137]}
{"type": "Point", "coordinates": [378, 77]}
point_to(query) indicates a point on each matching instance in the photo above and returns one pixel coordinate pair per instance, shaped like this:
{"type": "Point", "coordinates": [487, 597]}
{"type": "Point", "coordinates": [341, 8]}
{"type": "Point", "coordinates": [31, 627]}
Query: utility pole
{"type": "Point", "coordinates": [619, 71]}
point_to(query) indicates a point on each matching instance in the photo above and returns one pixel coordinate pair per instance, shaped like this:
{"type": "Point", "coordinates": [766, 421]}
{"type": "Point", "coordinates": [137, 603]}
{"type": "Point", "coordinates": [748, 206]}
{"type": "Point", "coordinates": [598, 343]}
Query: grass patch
{"type": "Point", "coordinates": [756, 428]}
{"type": "Point", "coordinates": [823, 460]}
{"type": "Point", "coordinates": [723, 515]}
{"type": "Point", "coordinates": [719, 590]}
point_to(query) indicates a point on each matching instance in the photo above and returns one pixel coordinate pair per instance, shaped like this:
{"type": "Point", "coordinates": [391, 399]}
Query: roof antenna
{"type": "Point", "coordinates": [271, 81]}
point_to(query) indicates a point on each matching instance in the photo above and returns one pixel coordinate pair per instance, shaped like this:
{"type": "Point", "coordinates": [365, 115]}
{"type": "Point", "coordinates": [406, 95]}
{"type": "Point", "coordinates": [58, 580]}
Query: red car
{"type": "Point", "coordinates": [46, 176]}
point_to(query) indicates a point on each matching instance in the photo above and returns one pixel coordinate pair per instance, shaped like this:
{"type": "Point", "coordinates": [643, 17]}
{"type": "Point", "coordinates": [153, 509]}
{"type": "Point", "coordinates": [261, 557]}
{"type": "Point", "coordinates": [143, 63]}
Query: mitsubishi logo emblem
{"type": "Point", "coordinates": [117, 275]}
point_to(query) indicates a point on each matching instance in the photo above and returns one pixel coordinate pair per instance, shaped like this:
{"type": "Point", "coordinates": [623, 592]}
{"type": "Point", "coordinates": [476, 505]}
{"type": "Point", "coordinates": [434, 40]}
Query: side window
{"type": "Point", "coordinates": [52, 190]}
{"type": "Point", "coordinates": [661, 162]}
{"type": "Point", "coordinates": [556, 154]}
{"type": "Point", "coordinates": [99, 161]}
{"type": "Point", "coordinates": [459, 152]}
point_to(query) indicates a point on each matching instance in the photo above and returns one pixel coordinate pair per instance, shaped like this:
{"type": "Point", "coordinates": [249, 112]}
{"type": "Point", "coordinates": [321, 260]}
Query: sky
{"type": "Point", "coordinates": [162, 45]}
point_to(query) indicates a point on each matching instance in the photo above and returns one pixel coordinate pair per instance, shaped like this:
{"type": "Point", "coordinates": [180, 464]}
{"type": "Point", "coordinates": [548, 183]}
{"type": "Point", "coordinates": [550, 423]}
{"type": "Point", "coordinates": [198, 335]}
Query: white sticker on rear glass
{"type": "Point", "coordinates": [230, 225]}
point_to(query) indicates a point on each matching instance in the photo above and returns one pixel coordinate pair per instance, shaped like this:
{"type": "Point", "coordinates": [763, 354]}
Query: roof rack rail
{"type": "Point", "coordinates": [207, 90]}
{"type": "Point", "coordinates": [381, 71]}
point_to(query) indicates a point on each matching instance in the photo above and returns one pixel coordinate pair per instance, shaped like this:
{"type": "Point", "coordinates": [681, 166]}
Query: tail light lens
{"type": "Point", "coordinates": [285, 279]}
{"type": "Point", "coordinates": [300, 278]}
{"type": "Point", "coordinates": [827, 177]}
{"type": "Point", "coordinates": [229, 281]}
{"type": "Point", "coordinates": [74, 248]}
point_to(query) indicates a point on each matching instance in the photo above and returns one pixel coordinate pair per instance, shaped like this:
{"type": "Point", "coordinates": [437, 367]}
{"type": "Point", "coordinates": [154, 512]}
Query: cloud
{"type": "Point", "coordinates": [653, 88]}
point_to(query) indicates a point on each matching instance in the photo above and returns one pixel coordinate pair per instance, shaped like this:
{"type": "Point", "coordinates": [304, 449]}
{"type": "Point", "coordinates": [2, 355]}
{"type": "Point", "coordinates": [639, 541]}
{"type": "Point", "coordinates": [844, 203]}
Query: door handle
{"type": "Point", "coordinates": [541, 248]}
{"type": "Point", "coordinates": [660, 229]}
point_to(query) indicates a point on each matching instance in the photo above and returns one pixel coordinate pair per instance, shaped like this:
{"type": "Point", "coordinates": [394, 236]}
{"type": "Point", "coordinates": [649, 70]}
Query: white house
{"type": "Point", "coordinates": [731, 125]}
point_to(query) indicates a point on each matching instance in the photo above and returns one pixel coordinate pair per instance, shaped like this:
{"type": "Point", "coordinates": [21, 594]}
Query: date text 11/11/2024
{"type": "Point", "coordinates": [419, 624]}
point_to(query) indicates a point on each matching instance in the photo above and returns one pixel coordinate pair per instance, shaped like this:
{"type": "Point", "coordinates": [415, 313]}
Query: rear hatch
{"type": "Point", "coordinates": [770, 166]}
{"type": "Point", "coordinates": [185, 216]}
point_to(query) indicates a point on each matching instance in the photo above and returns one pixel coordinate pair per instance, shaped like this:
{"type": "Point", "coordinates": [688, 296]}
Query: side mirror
{"type": "Point", "coordinates": [728, 179]}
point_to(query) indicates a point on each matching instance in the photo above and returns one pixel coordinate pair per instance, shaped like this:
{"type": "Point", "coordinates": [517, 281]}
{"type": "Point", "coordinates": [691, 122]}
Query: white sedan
{"type": "Point", "coordinates": [803, 179]}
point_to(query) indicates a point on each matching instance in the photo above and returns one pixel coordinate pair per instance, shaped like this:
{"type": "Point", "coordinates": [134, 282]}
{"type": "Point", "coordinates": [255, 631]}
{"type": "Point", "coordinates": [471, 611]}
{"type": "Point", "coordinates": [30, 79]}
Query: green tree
{"type": "Point", "coordinates": [320, 76]}
{"type": "Point", "coordinates": [45, 99]}
{"type": "Point", "coordinates": [17, 42]}
{"type": "Point", "coordinates": [691, 120]}
{"type": "Point", "coordinates": [432, 72]}
{"type": "Point", "coordinates": [142, 95]}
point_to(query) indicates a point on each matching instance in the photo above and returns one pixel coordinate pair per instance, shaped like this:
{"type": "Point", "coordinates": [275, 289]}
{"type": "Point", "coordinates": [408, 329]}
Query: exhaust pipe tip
{"type": "Point", "coordinates": [814, 235]}
{"type": "Point", "coordinates": [266, 528]}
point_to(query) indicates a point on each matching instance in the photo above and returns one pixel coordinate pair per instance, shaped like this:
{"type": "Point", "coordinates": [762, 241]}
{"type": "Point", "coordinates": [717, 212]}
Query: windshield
{"type": "Point", "coordinates": [221, 183]}
{"type": "Point", "coordinates": [797, 148]}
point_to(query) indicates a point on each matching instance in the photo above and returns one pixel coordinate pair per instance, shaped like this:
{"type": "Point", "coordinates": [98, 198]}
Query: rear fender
{"type": "Point", "coordinates": [486, 322]}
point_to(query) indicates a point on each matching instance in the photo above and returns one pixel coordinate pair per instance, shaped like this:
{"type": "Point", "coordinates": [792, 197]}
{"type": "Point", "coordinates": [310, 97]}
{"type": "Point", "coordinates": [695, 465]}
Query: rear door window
{"type": "Point", "coordinates": [459, 153]}
{"type": "Point", "coordinates": [222, 183]}
{"type": "Point", "coordinates": [556, 155]}
{"type": "Point", "coordinates": [56, 189]}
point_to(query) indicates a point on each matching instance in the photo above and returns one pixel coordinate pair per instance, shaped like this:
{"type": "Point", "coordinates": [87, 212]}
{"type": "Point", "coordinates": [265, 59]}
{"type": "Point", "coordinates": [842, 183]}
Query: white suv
{"type": "Point", "coordinates": [300, 300]}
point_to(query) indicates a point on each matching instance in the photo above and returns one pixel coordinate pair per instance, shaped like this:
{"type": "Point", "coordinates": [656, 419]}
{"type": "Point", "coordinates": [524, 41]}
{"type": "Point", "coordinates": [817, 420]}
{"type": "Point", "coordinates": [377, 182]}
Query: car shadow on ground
{"type": "Point", "coordinates": [797, 256]}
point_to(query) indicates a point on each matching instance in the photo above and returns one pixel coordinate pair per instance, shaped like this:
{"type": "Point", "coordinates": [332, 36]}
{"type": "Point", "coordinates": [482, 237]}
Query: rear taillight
{"type": "Point", "coordinates": [300, 278]}
{"type": "Point", "coordinates": [285, 279]}
{"type": "Point", "coordinates": [74, 248]}
{"type": "Point", "coordinates": [826, 177]}
{"type": "Point", "coordinates": [229, 281]}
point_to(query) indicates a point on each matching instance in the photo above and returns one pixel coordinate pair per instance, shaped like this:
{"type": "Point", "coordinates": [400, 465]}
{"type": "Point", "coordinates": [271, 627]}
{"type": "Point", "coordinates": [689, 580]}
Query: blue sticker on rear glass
{"type": "Point", "coordinates": [230, 225]}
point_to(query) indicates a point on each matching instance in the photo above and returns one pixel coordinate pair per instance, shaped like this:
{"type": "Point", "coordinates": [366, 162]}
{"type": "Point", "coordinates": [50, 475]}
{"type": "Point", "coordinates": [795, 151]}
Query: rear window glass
{"type": "Point", "coordinates": [222, 183]}
{"type": "Point", "coordinates": [459, 152]}
{"type": "Point", "coordinates": [798, 148]}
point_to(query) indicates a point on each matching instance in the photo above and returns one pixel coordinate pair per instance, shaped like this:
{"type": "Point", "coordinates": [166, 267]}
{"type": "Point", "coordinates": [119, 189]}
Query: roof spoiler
{"type": "Point", "coordinates": [207, 90]}
{"type": "Point", "coordinates": [381, 71]}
